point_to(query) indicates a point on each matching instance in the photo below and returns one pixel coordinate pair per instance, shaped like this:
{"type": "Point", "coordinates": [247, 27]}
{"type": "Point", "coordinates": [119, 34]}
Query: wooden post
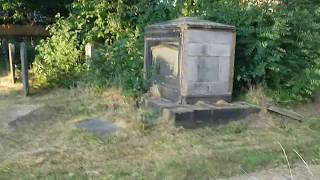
{"type": "Point", "coordinates": [89, 50]}
{"type": "Point", "coordinates": [4, 44]}
{"type": "Point", "coordinates": [24, 68]}
{"type": "Point", "coordinates": [12, 62]}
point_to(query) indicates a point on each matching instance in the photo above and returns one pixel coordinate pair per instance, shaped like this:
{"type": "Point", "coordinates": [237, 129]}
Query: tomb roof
{"type": "Point", "coordinates": [189, 22]}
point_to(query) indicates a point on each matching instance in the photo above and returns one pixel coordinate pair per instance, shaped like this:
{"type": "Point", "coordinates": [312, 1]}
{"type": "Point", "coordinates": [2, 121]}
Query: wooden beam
{"type": "Point", "coordinates": [23, 30]}
{"type": "Point", "coordinates": [12, 62]}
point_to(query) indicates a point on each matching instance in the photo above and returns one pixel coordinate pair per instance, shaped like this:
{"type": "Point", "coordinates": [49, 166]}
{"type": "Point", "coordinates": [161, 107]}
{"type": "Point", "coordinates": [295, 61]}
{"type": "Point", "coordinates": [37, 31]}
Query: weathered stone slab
{"type": "Point", "coordinates": [203, 114]}
{"type": "Point", "coordinates": [286, 112]}
{"type": "Point", "coordinates": [224, 115]}
{"type": "Point", "coordinates": [200, 49]}
{"type": "Point", "coordinates": [182, 116]}
{"type": "Point", "coordinates": [216, 36]}
{"type": "Point", "coordinates": [99, 127]}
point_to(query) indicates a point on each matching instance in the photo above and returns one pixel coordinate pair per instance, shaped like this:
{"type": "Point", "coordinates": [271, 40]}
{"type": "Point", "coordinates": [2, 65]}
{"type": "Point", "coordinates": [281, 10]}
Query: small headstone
{"type": "Point", "coordinates": [89, 48]}
{"type": "Point", "coordinates": [99, 127]}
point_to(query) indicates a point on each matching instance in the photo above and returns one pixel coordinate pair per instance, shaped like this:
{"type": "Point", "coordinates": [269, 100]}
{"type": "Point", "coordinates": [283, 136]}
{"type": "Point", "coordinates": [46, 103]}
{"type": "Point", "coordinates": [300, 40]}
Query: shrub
{"type": "Point", "coordinates": [120, 65]}
{"type": "Point", "coordinates": [277, 44]}
{"type": "Point", "coordinates": [58, 62]}
{"type": "Point", "coordinates": [118, 33]}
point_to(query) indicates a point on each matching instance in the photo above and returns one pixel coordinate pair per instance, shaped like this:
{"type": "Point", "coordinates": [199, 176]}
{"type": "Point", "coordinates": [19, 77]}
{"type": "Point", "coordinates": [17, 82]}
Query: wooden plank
{"type": "Point", "coordinates": [11, 62]}
{"type": "Point", "coordinates": [286, 112]}
{"type": "Point", "coordinates": [23, 30]}
{"type": "Point", "coordinates": [24, 68]}
{"type": "Point", "coordinates": [4, 49]}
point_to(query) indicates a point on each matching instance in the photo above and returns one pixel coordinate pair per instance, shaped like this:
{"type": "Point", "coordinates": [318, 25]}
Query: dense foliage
{"type": "Point", "coordinates": [277, 43]}
{"type": "Point", "coordinates": [30, 11]}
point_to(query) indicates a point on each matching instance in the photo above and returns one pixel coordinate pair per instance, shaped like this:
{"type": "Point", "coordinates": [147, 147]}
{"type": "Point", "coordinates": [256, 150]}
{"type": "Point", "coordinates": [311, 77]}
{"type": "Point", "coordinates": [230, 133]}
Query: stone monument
{"type": "Point", "coordinates": [189, 59]}
{"type": "Point", "coordinates": [190, 64]}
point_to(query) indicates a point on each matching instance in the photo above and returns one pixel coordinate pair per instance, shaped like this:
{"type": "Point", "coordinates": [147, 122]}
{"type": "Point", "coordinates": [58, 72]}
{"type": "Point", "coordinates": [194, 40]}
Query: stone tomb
{"type": "Point", "coordinates": [190, 60]}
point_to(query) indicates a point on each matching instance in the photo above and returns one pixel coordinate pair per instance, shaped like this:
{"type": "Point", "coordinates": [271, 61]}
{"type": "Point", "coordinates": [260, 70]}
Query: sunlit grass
{"type": "Point", "coordinates": [56, 149]}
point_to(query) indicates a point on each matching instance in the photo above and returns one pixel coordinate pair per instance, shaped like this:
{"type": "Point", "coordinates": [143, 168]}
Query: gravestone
{"type": "Point", "coordinates": [89, 48]}
{"type": "Point", "coordinates": [99, 127]}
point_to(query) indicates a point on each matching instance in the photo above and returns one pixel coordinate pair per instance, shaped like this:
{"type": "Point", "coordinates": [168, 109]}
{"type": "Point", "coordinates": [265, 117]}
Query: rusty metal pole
{"type": "Point", "coordinates": [12, 62]}
{"type": "Point", "coordinates": [24, 68]}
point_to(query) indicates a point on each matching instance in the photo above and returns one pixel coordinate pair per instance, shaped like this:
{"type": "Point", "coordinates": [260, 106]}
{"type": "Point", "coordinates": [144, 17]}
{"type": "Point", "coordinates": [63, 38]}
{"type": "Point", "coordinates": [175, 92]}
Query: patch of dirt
{"type": "Point", "coordinates": [20, 114]}
{"type": "Point", "coordinates": [260, 121]}
{"type": "Point", "coordinates": [299, 173]}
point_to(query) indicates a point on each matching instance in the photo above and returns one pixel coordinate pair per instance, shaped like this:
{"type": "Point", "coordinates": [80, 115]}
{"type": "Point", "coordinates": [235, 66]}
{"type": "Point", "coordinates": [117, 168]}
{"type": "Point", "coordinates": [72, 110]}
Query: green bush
{"type": "Point", "coordinates": [277, 43]}
{"type": "Point", "coordinates": [120, 65]}
{"type": "Point", "coordinates": [118, 34]}
{"type": "Point", "coordinates": [58, 62]}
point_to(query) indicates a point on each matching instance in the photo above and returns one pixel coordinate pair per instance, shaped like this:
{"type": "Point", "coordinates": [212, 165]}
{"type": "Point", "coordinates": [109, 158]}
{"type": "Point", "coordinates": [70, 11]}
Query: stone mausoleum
{"type": "Point", "coordinates": [191, 62]}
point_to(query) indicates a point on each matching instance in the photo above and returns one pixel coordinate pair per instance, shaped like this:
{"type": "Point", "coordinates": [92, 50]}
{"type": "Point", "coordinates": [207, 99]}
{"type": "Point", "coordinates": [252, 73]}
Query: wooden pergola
{"type": "Point", "coordinates": [23, 30]}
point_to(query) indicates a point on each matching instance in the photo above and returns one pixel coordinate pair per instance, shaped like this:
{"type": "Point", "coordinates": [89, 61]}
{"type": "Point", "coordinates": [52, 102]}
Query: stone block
{"type": "Point", "coordinates": [200, 36]}
{"type": "Point", "coordinates": [181, 116]}
{"type": "Point", "coordinates": [225, 114]}
{"type": "Point", "coordinates": [208, 69]}
{"type": "Point", "coordinates": [202, 115]}
{"type": "Point", "coordinates": [225, 69]}
{"type": "Point", "coordinates": [200, 49]}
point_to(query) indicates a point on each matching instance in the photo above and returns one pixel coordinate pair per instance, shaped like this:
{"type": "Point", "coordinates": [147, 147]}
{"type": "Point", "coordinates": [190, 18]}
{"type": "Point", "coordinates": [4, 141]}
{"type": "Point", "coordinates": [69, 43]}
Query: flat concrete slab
{"type": "Point", "coordinates": [99, 127]}
{"type": "Point", "coordinates": [202, 114]}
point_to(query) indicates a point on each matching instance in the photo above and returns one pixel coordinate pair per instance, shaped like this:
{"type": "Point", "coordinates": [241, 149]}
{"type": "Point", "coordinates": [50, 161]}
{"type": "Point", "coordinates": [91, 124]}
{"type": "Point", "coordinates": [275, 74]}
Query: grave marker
{"type": "Point", "coordinates": [89, 50]}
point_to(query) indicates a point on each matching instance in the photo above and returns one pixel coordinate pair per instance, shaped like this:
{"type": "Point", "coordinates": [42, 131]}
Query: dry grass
{"type": "Point", "coordinates": [7, 87]}
{"type": "Point", "coordinates": [56, 149]}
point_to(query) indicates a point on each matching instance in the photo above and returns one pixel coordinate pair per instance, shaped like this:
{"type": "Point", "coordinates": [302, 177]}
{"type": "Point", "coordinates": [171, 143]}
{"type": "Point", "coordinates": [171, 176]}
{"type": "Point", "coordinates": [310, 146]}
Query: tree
{"type": "Point", "coordinates": [31, 11]}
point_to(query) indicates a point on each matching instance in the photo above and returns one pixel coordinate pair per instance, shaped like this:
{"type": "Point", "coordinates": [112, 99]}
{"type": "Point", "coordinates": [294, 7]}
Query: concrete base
{"type": "Point", "coordinates": [201, 114]}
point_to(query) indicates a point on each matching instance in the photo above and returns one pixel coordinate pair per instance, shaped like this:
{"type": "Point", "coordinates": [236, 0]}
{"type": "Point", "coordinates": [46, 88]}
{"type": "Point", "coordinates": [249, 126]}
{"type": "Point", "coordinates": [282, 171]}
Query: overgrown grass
{"type": "Point", "coordinates": [56, 149]}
